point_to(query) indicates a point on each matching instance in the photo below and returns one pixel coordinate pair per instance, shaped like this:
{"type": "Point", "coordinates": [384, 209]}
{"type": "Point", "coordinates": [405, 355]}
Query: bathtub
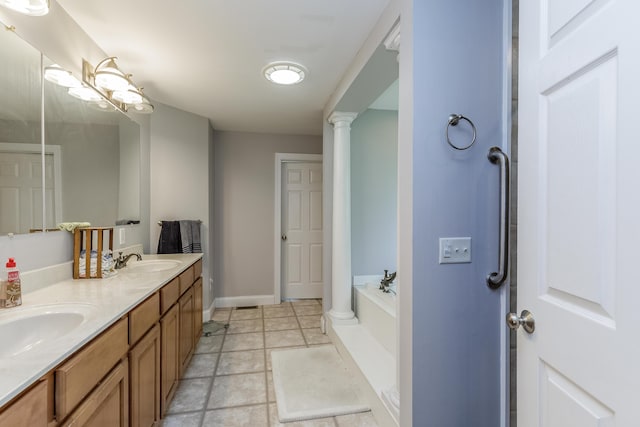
{"type": "Point", "coordinates": [376, 311]}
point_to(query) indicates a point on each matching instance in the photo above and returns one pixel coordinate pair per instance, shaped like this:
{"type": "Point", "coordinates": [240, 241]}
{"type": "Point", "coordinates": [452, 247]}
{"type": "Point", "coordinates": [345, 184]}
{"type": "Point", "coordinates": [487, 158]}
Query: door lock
{"type": "Point", "coordinates": [525, 320]}
{"type": "Point", "coordinates": [284, 237]}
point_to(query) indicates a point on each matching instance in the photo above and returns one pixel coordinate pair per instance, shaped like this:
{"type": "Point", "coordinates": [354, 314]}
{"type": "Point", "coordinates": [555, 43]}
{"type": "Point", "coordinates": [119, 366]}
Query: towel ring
{"type": "Point", "coordinates": [454, 119]}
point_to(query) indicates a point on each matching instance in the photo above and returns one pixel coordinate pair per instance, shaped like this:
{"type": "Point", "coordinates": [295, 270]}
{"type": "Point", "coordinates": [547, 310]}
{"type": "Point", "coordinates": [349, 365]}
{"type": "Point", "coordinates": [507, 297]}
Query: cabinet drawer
{"type": "Point", "coordinates": [142, 318]}
{"type": "Point", "coordinates": [76, 377]}
{"type": "Point", "coordinates": [108, 404]}
{"type": "Point", "coordinates": [186, 279]}
{"type": "Point", "coordinates": [30, 410]}
{"type": "Point", "coordinates": [169, 295]}
{"type": "Point", "coordinates": [197, 269]}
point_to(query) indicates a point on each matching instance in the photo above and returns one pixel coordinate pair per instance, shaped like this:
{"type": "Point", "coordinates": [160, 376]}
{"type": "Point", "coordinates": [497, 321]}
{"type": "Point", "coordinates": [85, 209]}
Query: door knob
{"type": "Point", "coordinates": [284, 237]}
{"type": "Point", "coordinates": [525, 320]}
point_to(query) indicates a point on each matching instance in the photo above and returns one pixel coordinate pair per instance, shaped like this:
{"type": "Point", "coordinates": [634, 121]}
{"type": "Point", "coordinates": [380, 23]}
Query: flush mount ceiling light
{"type": "Point", "coordinates": [27, 7]}
{"type": "Point", "coordinates": [58, 75]}
{"type": "Point", "coordinates": [284, 73]}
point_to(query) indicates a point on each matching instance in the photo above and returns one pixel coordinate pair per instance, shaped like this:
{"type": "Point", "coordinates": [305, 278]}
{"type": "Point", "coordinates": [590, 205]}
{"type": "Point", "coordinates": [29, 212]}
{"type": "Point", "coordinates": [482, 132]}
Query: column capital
{"type": "Point", "coordinates": [341, 117]}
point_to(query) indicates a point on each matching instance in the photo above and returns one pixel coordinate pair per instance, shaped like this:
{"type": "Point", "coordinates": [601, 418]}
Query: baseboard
{"type": "Point", "coordinates": [245, 301]}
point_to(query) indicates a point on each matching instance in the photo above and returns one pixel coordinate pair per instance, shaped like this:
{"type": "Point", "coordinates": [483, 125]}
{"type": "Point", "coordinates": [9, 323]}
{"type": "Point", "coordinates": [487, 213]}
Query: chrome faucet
{"type": "Point", "coordinates": [121, 261]}
{"type": "Point", "coordinates": [386, 281]}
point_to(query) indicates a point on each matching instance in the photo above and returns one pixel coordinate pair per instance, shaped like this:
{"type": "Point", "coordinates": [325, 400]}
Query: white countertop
{"type": "Point", "coordinates": [102, 301]}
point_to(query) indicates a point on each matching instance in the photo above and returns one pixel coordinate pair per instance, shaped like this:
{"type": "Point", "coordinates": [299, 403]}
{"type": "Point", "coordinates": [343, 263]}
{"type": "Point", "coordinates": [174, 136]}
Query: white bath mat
{"type": "Point", "coordinates": [314, 383]}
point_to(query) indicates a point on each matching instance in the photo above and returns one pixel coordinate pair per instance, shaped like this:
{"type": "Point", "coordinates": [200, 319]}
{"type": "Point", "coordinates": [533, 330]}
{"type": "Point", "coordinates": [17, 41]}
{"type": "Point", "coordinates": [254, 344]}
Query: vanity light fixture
{"type": "Point", "coordinates": [58, 75]}
{"type": "Point", "coordinates": [129, 96]}
{"type": "Point", "coordinates": [143, 107]}
{"type": "Point", "coordinates": [102, 105]}
{"type": "Point", "coordinates": [85, 94]}
{"type": "Point", "coordinates": [284, 73]}
{"type": "Point", "coordinates": [27, 7]}
{"type": "Point", "coordinates": [107, 76]}
{"type": "Point", "coordinates": [116, 87]}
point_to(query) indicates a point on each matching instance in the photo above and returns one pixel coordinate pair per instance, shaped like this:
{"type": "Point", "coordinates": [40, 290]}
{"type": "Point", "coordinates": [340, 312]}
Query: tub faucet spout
{"type": "Point", "coordinates": [386, 281]}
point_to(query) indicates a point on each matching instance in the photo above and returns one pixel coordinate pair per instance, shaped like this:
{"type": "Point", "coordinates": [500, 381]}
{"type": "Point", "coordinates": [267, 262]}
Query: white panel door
{"type": "Point", "coordinates": [302, 230]}
{"type": "Point", "coordinates": [579, 213]}
{"type": "Point", "coordinates": [20, 192]}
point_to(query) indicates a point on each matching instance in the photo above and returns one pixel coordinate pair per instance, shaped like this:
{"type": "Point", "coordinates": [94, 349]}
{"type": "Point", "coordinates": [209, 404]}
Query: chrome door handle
{"type": "Point", "coordinates": [284, 237]}
{"type": "Point", "coordinates": [525, 320]}
{"type": "Point", "coordinates": [497, 278]}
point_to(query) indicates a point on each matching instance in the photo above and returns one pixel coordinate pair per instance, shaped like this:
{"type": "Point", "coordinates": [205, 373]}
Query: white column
{"type": "Point", "coordinates": [341, 312]}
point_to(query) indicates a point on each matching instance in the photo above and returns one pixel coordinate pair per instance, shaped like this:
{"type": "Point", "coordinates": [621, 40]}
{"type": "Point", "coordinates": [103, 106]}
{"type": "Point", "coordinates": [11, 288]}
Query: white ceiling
{"type": "Point", "coordinates": [206, 56]}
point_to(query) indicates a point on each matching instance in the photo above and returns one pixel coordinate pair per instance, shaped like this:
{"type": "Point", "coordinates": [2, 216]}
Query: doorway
{"type": "Point", "coordinates": [21, 187]}
{"type": "Point", "coordinates": [298, 227]}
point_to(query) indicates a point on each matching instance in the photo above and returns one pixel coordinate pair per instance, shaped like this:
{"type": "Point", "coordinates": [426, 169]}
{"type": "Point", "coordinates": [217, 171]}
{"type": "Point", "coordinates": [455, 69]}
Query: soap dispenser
{"type": "Point", "coordinates": [12, 285]}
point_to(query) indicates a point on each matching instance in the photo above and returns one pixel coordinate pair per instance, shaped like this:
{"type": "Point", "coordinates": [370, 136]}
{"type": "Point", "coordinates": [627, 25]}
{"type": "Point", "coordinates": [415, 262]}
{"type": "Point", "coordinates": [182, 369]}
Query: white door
{"type": "Point", "coordinates": [302, 230]}
{"type": "Point", "coordinates": [20, 192]}
{"type": "Point", "coordinates": [579, 213]}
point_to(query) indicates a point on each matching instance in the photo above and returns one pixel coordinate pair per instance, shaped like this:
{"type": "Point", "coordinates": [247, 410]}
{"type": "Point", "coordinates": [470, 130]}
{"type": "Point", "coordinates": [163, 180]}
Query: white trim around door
{"type": "Point", "coordinates": [282, 158]}
{"type": "Point", "coordinates": [56, 152]}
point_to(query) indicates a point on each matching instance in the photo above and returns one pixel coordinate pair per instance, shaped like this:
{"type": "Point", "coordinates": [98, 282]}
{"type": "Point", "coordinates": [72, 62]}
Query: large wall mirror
{"type": "Point", "coordinates": [91, 151]}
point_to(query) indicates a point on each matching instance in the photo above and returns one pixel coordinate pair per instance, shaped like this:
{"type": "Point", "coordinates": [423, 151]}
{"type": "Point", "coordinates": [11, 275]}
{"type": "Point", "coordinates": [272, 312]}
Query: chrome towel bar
{"type": "Point", "coordinates": [496, 279]}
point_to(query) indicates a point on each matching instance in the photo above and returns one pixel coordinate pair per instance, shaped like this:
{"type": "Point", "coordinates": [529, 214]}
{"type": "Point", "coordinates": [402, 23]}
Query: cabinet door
{"type": "Point", "coordinates": [144, 362]}
{"type": "Point", "coordinates": [107, 405]}
{"type": "Point", "coordinates": [186, 329]}
{"type": "Point", "coordinates": [170, 332]}
{"type": "Point", "coordinates": [197, 310]}
{"type": "Point", "coordinates": [30, 410]}
{"type": "Point", "coordinates": [76, 377]}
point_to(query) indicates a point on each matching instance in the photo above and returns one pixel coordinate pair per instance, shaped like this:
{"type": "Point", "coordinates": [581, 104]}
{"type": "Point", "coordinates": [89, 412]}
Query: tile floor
{"type": "Point", "coordinates": [229, 382]}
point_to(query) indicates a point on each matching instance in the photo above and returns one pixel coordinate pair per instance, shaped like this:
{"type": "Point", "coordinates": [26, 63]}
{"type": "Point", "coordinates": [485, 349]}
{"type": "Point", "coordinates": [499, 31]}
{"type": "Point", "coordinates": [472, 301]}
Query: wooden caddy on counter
{"type": "Point", "coordinates": [83, 239]}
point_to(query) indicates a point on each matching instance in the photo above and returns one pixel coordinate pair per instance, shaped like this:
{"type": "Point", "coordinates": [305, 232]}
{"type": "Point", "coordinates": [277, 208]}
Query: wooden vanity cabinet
{"type": "Point", "coordinates": [76, 377]}
{"type": "Point", "coordinates": [144, 380]}
{"type": "Point", "coordinates": [197, 310]}
{"type": "Point", "coordinates": [143, 317]}
{"type": "Point", "coordinates": [169, 295]}
{"type": "Point", "coordinates": [186, 279]}
{"type": "Point", "coordinates": [170, 345]}
{"type": "Point", "coordinates": [186, 306]}
{"type": "Point", "coordinates": [30, 409]}
{"type": "Point", "coordinates": [197, 269]}
{"type": "Point", "coordinates": [107, 405]}
{"type": "Point", "coordinates": [128, 374]}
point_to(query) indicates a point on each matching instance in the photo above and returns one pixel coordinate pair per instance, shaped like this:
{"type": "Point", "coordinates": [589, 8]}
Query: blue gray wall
{"type": "Point", "coordinates": [374, 185]}
{"type": "Point", "coordinates": [459, 66]}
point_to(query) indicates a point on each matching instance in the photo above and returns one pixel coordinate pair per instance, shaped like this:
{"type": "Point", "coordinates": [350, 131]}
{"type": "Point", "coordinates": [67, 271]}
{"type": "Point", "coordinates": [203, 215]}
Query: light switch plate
{"type": "Point", "coordinates": [122, 236]}
{"type": "Point", "coordinates": [455, 250]}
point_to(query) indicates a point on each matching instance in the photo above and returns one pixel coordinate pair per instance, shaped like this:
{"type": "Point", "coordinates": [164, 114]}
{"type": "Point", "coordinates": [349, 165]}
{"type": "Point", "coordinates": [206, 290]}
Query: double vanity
{"type": "Point", "coordinates": [101, 351]}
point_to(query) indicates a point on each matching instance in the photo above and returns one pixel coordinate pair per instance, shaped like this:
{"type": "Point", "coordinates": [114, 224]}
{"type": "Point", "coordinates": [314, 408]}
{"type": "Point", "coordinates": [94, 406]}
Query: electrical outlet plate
{"type": "Point", "coordinates": [121, 236]}
{"type": "Point", "coordinates": [455, 250]}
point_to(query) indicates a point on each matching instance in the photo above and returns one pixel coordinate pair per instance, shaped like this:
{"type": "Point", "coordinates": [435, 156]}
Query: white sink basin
{"type": "Point", "coordinates": [152, 265]}
{"type": "Point", "coordinates": [25, 329]}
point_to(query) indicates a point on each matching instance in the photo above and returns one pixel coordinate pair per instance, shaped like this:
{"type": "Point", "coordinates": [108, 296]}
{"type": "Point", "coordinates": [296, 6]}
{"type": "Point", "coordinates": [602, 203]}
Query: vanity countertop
{"type": "Point", "coordinates": [101, 302]}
